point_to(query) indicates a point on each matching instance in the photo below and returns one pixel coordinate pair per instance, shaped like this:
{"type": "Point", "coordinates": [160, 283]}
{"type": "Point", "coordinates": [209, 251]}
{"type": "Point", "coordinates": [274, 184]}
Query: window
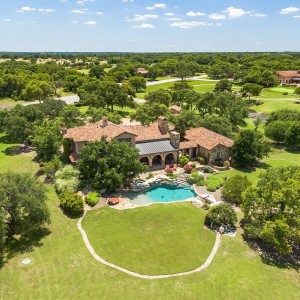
{"type": "Point", "coordinates": [128, 140]}
{"type": "Point", "coordinates": [218, 156]}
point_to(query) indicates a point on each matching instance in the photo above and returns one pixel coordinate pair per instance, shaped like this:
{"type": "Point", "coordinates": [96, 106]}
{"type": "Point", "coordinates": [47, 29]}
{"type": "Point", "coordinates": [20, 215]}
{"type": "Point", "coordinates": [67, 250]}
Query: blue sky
{"type": "Point", "coordinates": [150, 26]}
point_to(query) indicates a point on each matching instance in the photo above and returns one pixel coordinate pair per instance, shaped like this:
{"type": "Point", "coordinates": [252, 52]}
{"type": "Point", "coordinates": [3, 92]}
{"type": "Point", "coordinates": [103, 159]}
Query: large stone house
{"type": "Point", "coordinates": [158, 143]}
{"type": "Point", "coordinates": [288, 77]}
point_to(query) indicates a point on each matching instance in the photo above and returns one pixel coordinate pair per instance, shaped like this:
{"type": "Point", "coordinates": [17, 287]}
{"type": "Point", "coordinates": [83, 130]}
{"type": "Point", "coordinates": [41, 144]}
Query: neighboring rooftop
{"type": "Point", "coordinates": [204, 138]}
{"type": "Point", "coordinates": [287, 74]}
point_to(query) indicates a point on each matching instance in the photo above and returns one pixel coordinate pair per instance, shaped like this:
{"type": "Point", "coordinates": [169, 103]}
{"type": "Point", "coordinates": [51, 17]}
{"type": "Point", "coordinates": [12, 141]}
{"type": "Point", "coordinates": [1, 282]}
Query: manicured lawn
{"type": "Point", "coordinates": [84, 71]}
{"type": "Point", "coordinates": [7, 102]}
{"type": "Point", "coordinates": [278, 158]}
{"type": "Point", "coordinates": [277, 92]}
{"type": "Point", "coordinates": [19, 163]}
{"type": "Point", "coordinates": [150, 240]}
{"type": "Point", "coordinates": [62, 267]}
{"type": "Point", "coordinates": [63, 93]}
{"type": "Point", "coordinates": [272, 105]}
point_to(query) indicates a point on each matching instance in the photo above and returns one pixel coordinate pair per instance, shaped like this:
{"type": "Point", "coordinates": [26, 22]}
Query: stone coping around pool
{"type": "Point", "coordinates": [127, 205]}
{"type": "Point", "coordinates": [143, 276]}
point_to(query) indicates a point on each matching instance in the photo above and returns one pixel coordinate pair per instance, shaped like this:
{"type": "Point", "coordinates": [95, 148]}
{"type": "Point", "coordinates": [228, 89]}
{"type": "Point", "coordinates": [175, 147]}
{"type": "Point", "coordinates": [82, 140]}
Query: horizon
{"type": "Point", "coordinates": [136, 26]}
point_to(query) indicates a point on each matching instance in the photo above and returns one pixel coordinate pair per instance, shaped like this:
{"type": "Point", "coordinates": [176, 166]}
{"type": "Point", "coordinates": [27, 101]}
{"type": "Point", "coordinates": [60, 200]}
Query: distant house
{"type": "Point", "coordinates": [176, 110]}
{"type": "Point", "coordinates": [142, 71]}
{"type": "Point", "coordinates": [288, 77]}
{"type": "Point", "coordinates": [158, 143]}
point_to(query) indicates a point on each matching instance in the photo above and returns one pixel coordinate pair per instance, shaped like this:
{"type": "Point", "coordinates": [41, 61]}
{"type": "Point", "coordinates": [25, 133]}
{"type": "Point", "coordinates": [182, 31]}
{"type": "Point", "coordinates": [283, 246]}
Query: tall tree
{"type": "Point", "coordinates": [249, 146]}
{"type": "Point", "coordinates": [23, 206]}
{"type": "Point", "coordinates": [109, 165]}
{"type": "Point", "coordinates": [272, 210]}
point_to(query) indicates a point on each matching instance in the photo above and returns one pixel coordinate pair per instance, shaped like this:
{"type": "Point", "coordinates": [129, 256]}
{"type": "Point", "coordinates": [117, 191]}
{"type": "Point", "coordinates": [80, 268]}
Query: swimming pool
{"type": "Point", "coordinates": [162, 193]}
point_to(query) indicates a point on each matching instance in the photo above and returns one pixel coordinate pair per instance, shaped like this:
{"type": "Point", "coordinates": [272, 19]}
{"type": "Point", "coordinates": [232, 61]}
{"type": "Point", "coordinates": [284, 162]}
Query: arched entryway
{"type": "Point", "coordinates": [145, 160]}
{"type": "Point", "coordinates": [156, 161]}
{"type": "Point", "coordinates": [169, 159]}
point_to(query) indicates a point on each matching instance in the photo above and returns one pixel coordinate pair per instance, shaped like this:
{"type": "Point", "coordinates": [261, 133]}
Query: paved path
{"type": "Point", "coordinates": [68, 99]}
{"type": "Point", "coordinates": [202, 77]}
{"type": "Point", "coordinates": [103, 261]}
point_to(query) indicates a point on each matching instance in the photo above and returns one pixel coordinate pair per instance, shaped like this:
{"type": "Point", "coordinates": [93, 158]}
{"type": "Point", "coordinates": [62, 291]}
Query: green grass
{"type": "Point", "coordinates": [62, 267]}
{"type": "Point", "coordinates": [8, 102]}
{"type": "Point", "coordinates": [149, 240]}
{"type": "Point", "coordinates": [19, 163]}
{"type": "Point", "coordinates": [269, 106]}
{"type": "Point", "coordinates": [277, 92]}
{"type": "Point", "coordinates": [214, 182]}
{"type": "Point", "coordinates": [63, 93]}
{"type": "Point", "coordinates": [278, 158]}
{"type": "Point", "coordinates": [84, 71]}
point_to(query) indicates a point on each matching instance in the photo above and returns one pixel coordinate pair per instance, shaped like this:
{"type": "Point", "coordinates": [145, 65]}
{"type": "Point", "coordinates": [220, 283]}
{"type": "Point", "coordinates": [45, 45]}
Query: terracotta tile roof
{"type": "Point", "coordinates": [94, 132]}
{"type": "Point", "coordinates": [287, 74]}
{"type": "Point", "coordinates": [175, 108]}
{"type": "Point", "coordinates": [205, 138]}
{"type": "Point", "coordinates": [148, 133]}
{"type": "Point", "coordinates": [187, 144]}
{"type": "Point", "coordinates": [142, 71]}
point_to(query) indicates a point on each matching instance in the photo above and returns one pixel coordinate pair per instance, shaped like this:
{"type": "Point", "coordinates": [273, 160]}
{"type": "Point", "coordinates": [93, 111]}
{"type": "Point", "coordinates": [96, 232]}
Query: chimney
{"type": "Point", "coordinates": [103, 122]}
{"type": "Point", "coordinates": [64, 129]}
{"type": "Point", "coordinates": [163, 125]}
{"type": "Point", "coordinates": [175, 139]}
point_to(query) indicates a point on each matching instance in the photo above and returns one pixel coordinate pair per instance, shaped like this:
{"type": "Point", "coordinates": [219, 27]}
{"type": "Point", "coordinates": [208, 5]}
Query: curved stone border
{"type": "Point", "coordinates": [103, 261]}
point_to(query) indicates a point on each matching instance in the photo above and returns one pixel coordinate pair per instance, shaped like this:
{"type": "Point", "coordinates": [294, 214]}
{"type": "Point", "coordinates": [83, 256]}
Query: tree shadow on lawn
{"type": "Point", "coordinates": [27, 243]}
{"type": "Point", "coordinates": [273, 258]}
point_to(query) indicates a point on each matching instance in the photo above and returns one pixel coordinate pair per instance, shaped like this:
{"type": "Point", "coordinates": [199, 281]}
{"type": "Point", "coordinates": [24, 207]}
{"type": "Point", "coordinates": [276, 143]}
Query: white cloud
{"type": "Point", "coordinates": [75, 22]}
{"type": "Point", "coordinates": [144, 26]}
{"type": "Point", "coordinates": [90, 23]}
{"type": "Point", "coordinates": [100, 13]}
{"type": "Point", "coordinates": [289, 10]}
{"type": "Point", "coordinates": [216, 16]}
{"type": "Point", "coordinates": [235, 12]}
{"type": "Point", "coordinates": [82, 2]}
{"type": "Point", "coordinates": [47, 10]}
{"type": "Point", "coordinates": [157, 5]}
{"type": "Point", "coordinates": [25, 9]}
{"type": "Point", "coordinates": [143, 17]}
{"type": "Point", "coordinates": [7, 20]}
{"type": "Point", "coordinates": [188, 25]}
{"type": "Point", "coordinates": [173, 19]}
{"type": "Point", "coordinates": [297, 17]}
{"type": "Point", "coordinates": [78, 11]}
{"type": "Point", "coordinates": [169, 14]}
{"type": "Point", "coordinates": [259, 15]}
{"type": "Point", "coordinates": [125, 1]}
{"type": "Point", "coordinates": [195, 14]}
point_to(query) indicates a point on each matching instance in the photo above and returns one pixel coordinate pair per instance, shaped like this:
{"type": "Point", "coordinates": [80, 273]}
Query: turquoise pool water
{"type": "Point", "coordinates": [162, 193]}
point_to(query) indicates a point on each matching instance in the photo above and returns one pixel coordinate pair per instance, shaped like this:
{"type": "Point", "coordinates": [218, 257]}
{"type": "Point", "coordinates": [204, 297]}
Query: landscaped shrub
{"type": "Point", "coordinates": [285, 93]}
{"type": "Point", "coordinates": [51, 167]}
{"type": "Point", "coordinates": [67, 185]}
{"type": "Point", "coordinates": [188, 168]}
{"type": "Point", "coordinates": [193, 165]}
{"type": "Point", "coordinates": [196, 178]}
{"type": "Point", "coordinates": [214, 182]}
{"type": "Point", "coordinates": [67, 172]}
{"type": "Point", "coordinates": [202, 160]}
{"type": "Point", "coordinates": [183, 160]}
{"type": "Point", "coordinates": [207, 170]}
{"type": "Point", "coordinates": [92, 198]}
{"type": "Point", "coordinates": [205, 206]}
{"type": "Point", "coordinates": [67, 180]}
{"type": "Point", "coordinates": [71, 203]}
{"type": "Point", "coordinates": [172, 176]}
{"type": "Point", "coordinates": [149, 176]}
{"type": "Point", "coordinates": [221, 214]}
{"type": "Point", "coordinates": [226, 164]}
